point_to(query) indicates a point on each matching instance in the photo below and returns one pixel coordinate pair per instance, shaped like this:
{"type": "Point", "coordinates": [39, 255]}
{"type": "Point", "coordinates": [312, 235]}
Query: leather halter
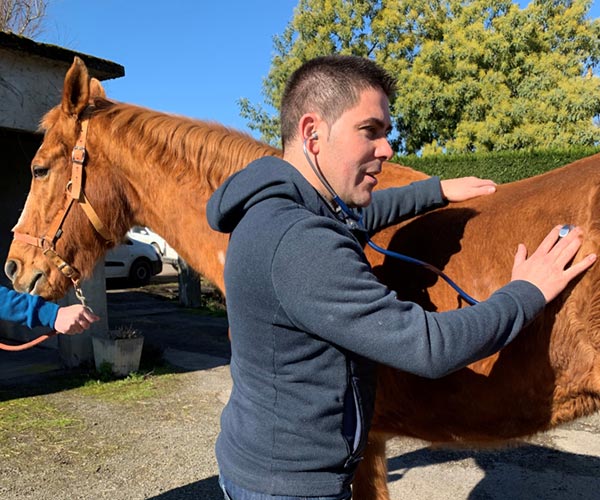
{"type": "Point", "coordinates": [74, 192]}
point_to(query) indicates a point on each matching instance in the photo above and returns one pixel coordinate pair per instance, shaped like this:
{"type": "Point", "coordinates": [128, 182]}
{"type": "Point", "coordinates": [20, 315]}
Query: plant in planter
{"type": "Point", "coordinates": [120, 348]}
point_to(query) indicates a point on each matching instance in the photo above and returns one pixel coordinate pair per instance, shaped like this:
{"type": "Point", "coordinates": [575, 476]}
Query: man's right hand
{"type": "Point", "coordinates": [546, 267]}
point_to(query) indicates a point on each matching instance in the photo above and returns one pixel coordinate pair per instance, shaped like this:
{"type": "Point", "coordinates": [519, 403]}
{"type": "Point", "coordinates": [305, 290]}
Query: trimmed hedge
{"type": "Point", "coordinates": [502, 166]}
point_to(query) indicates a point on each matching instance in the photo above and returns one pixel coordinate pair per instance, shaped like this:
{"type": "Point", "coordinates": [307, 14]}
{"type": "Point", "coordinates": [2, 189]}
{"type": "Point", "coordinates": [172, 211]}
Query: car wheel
{"type": "Point", "coordinates": [140, 272]}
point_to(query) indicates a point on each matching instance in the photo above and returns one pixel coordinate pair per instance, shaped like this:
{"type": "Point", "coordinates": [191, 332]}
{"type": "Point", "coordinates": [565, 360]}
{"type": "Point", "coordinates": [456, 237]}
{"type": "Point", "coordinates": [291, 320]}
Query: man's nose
{"type": "Point", "coordinates": [384, 149]}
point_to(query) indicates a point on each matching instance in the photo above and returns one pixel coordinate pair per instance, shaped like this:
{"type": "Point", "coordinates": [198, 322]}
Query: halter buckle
{"type": "Point", "coordinates": [78, 154]}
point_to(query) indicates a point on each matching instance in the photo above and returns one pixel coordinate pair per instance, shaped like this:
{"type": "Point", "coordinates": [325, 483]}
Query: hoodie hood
{"type": "Point", "coordinates": [262, 179]}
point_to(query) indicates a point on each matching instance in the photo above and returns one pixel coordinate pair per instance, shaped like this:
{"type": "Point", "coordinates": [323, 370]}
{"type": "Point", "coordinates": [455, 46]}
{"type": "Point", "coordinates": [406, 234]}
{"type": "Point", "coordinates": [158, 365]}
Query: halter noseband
{"type": "Point", "coordinates": [74, 192]}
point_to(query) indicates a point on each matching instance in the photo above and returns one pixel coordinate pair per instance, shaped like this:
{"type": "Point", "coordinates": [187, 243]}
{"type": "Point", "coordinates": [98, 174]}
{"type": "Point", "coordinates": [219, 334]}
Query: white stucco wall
{"type": "Point", "coordinates": [29, 87]}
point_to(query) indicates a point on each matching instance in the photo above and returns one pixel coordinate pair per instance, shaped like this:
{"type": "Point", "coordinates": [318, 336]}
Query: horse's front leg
{"type": "Point", "coordinates": [370, 481]}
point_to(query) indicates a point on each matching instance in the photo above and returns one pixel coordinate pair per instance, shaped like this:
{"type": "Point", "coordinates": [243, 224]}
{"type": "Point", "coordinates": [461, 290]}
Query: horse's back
{"type": "Point", "coordinates": [474, 243]}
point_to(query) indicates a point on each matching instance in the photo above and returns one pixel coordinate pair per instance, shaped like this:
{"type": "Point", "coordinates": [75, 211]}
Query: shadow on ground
{"type": "Point", "coordinates": [526, 471]}
{"type": "Point", "coordinates": [207, 488]}
{"type": "Point", "coordinates": [176, 339]}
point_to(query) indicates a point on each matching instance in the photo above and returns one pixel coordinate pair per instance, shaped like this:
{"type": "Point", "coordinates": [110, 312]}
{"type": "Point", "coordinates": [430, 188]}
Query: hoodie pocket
{"type": "Point", "coordinates": [353, 423]}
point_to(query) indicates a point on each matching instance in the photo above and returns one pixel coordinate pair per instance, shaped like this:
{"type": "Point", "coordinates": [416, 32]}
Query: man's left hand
{"type": "Point", "coordinates": [465, 188]}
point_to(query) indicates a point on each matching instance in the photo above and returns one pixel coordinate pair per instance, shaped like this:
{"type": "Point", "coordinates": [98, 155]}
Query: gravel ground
{"type": "Point", "coordinates": [162, 447]}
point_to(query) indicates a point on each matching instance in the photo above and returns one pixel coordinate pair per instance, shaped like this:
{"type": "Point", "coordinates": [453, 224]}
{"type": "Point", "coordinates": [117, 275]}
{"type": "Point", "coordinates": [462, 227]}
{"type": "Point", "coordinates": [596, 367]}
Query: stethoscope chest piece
{"type": "Point", "coordinates": [566, 229]}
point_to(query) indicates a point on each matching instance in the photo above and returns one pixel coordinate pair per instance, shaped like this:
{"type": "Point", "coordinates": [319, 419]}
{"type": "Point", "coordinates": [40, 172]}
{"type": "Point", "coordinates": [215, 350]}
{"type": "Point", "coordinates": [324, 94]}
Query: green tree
{"type": "Point", "coordinates": [318, 27]}
{"type": "Point", "coordinates": [22, 17]}
{"type": "Point", "coordinates": [474, 75]}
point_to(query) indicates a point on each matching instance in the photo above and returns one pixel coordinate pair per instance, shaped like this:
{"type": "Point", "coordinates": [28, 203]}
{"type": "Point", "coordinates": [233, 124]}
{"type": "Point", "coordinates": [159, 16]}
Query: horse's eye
{"type": "Point", "coordinates": [39, 172]}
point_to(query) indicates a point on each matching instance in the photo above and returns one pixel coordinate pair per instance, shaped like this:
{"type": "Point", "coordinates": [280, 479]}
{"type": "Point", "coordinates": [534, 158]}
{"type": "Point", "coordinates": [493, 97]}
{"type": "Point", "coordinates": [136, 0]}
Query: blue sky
{"type": "Point", "coordinates": [190, 57]}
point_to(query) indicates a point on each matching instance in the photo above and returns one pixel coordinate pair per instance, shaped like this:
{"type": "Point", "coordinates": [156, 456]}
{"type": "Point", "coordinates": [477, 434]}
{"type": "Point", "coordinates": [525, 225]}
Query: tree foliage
{"type": "Point", "coordinates": [474, 75]}
{"type": "Point", "coordinates": [22, 17]}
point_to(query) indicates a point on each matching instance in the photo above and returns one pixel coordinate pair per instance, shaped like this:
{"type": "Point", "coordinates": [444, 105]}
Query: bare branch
{"type": "Point", "coordinates": [22, 17]}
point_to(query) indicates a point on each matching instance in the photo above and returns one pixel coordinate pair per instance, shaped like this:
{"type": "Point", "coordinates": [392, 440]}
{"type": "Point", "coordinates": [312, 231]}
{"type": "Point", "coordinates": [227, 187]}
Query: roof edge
{"type": "Point", "coordinates": [99, 68]}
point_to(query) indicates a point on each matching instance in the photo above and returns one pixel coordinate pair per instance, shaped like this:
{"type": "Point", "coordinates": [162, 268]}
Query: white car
{"type": "Point", "coordinates": [146, 235]}
{"type": "Point", "coordinates": [134, 261]}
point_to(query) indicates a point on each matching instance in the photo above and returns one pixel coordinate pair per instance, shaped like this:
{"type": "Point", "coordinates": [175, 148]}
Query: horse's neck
{"type": "Point", "coordinates": [181, 219]}
{"type": "Point", "coordinates": [173, 204]}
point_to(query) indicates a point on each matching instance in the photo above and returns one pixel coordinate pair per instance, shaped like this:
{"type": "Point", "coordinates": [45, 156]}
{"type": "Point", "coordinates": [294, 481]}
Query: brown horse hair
{"type": "Point", "coordinates": [180, 144]}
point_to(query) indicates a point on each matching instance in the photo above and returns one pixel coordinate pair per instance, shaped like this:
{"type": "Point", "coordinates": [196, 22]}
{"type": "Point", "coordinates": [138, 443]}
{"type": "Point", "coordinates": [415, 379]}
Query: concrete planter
{"type": "Point", "coordinates": [122, 354]}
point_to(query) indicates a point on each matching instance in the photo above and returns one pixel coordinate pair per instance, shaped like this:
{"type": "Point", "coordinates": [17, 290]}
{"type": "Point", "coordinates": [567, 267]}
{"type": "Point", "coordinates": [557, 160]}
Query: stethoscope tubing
{"type": "Point", "coordinates": [356, 220]}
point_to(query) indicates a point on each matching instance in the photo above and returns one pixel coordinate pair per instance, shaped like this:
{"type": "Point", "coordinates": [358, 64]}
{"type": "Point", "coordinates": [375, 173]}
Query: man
{"type": "Point", "coordinates": [32, 310]}
{"type": "Point", "coordinates": [308, 319]}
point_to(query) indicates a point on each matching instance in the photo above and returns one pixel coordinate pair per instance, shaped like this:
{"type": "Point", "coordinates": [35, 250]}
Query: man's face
{"type": "Point", "coordinates": [351, 154]}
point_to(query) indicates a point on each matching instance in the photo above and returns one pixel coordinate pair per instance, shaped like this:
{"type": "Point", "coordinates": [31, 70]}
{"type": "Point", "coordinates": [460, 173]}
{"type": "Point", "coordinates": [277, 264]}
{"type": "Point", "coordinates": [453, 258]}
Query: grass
{"type": "Point", "coordinates": [33, 422]}
{"type": "Point", "coordinates": [135, 387]}
{"type": "Point", "coordinates": [26, 417]}
{"type": "Point", "coordinates": [33, 414]}
{"type": "Point", "coordinates": [212, 301]}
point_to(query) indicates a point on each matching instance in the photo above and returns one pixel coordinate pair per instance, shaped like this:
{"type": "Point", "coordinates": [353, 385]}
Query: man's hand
{"type": "Point", "coordinates": [546, 266]}
{"type": "Point", "coordinates": [465, 188]}
{"type": "Point", "coordinates": [74, 319]}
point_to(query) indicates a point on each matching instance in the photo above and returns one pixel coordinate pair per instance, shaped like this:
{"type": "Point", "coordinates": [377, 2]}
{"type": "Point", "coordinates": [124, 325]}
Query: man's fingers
{"type": "Point", "coordinates": [551, 240]}
{"type": "Point", "coordinates": [521, 254]}
{"type": "Point", "coordinates": [580, 266]}
{"type": "Point", "coordinates": [550, 267]}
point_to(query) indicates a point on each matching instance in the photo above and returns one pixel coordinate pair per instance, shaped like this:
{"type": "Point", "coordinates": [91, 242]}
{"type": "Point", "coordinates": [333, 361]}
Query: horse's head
{"type": "Point", "coordinates": [57, 239]}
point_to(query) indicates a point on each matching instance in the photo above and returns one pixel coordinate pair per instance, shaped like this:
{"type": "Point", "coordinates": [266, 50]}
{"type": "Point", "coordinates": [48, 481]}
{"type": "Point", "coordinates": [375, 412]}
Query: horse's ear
{"type": "Point", "coordinates": [76, 90]}
{"type": "Point", "coordinates": [96, 89]}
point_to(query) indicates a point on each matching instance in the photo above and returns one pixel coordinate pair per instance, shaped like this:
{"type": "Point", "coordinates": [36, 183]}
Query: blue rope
{"type": "Point", "coordinates": [357, 220]}
{"type": "Point", "coordinates": [470, 300]}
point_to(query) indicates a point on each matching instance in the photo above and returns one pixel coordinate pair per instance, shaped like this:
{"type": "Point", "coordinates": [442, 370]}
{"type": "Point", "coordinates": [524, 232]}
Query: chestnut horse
{"type": "Point", "coordinates": [148, 168]}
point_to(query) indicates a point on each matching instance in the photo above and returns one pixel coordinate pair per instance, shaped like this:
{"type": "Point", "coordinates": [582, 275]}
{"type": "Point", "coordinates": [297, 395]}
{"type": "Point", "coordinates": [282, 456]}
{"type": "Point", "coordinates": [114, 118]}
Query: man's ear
{"type": "Point", "coordinates": [308, 127]}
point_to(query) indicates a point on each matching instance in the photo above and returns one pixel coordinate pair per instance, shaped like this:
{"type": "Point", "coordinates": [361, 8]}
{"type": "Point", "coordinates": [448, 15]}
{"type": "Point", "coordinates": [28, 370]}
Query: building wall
{"type": "Point", "coordinates": [29, 87]}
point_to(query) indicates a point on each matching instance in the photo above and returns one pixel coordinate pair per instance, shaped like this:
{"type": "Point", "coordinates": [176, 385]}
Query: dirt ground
{"type": "Point", "coordinates": [161, 447]}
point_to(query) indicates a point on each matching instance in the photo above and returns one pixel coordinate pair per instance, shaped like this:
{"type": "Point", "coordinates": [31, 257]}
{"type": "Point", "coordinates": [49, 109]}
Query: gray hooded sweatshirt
{"type": "Point", "coordinates": [309, 322]}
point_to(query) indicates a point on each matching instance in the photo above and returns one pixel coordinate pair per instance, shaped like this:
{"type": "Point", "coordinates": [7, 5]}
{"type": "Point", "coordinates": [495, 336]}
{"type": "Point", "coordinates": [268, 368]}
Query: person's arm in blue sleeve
{"type": "Point", "coordinates": [32, 310]}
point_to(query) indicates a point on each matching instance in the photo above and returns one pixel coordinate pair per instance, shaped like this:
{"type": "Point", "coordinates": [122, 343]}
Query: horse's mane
{"type": "Point", "coordinates": [208, 151]}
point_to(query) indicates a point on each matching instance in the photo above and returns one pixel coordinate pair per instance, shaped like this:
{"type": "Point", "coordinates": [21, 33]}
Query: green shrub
{"type": "Point", "coordinates": [502, 167]}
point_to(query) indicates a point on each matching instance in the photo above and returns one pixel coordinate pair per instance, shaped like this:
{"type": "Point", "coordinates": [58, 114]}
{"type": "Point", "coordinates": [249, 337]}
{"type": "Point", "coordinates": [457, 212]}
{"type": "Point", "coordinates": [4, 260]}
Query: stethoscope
{"type": "Point", "coordinates": [354, 221]}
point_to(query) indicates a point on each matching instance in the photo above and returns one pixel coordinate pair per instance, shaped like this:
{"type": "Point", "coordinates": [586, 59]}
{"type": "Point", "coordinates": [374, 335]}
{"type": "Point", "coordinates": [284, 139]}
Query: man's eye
{"type": "Point", "coordinates": [40, 172]}
{"type": "Point", "coordinates": [369, 130]}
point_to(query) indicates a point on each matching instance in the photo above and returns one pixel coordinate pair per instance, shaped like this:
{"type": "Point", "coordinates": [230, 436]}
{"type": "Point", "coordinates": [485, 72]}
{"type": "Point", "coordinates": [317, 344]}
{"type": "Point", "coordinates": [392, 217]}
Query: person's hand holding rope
{"type": "Point", "coordinates": [74, 319]}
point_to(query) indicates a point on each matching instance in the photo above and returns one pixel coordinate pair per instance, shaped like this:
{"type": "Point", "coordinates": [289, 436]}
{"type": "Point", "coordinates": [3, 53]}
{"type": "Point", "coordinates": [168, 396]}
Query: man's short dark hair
{"type": "Point", "coordinates": [329, 86]}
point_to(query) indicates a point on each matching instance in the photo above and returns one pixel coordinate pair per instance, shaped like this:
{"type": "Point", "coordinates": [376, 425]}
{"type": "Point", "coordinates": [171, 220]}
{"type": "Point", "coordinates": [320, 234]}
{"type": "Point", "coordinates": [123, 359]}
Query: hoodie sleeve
{"type": "Point", "coordinates": [330, 292]}
{"type": "Point", "coordinates": [27, 310]}
{"type": "Point", "coordinates": [392, 205]}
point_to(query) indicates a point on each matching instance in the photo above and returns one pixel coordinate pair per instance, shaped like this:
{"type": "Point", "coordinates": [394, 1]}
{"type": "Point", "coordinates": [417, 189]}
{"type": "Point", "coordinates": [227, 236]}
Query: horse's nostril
{"type": "Point", "coordinates": [10, 269]}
